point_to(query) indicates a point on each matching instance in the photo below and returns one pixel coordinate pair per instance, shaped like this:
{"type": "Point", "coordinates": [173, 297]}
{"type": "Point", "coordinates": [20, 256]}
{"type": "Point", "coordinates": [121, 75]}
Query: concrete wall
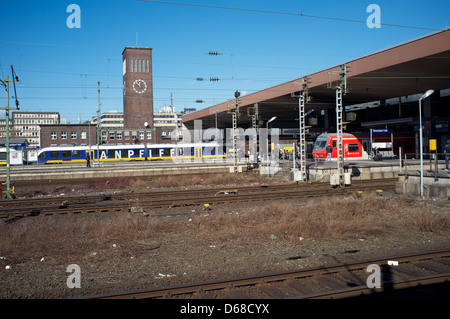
{"type": "Point", "coordinates": [411, 185]}
{"type": "Point", "coordinates": [359, 172]}
{"type": "Point", "coordinates": [122, 172]}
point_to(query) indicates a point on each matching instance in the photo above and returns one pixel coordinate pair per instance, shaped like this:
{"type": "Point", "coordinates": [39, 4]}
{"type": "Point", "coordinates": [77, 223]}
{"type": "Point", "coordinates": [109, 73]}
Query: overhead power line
{"type": "Point", "coordinates": [301, 14]}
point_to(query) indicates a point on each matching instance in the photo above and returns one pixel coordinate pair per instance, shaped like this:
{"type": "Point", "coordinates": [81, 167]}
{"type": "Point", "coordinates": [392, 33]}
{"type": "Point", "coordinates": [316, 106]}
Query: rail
{"type": "Point", "coordinates": [342, 280]}
{"type": "Point", "coordinates": [177, 198]}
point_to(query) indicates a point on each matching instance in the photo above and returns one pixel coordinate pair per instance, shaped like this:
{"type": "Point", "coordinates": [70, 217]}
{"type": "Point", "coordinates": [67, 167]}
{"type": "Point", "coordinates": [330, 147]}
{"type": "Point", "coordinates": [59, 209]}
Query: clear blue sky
{"type": "Point", "coordinates": [59, 67]}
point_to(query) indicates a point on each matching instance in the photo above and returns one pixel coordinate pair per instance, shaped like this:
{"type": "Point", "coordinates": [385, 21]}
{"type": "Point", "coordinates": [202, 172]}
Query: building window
{"type": "Point", "coordinates": [149, 135]}
{"type": "Point", "coordinates": [111, 135]}
{"type": "Point", "coordinates": [119, 135]}
{"type": "Point", "coordinates": [83, 135]}
{"type": "Point", "coordinates": [141, 136]}
{"type": "Point", "coordinates": [63, 135]}
{"type": "Point", "coordinates": [73, 135]}
{"type": "Point", "coordinates": [53, 135]}
{"type": "Point", "coordinates": [147, 67]}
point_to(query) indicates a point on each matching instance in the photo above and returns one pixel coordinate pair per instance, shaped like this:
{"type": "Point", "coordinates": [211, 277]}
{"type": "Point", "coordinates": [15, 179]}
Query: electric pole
{"type": "Point", "coordinates": [235, 115]}
{"type": "Point", "coordinates": [99, 128]}
{"type": "Point", "coordinates": [5, 82]}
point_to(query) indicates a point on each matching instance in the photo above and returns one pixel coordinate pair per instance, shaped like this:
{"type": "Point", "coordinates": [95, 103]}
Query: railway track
{"type": "Point", "coordinates": [344, 280]}
{"type": "Point", "coordinates": [179, 198]}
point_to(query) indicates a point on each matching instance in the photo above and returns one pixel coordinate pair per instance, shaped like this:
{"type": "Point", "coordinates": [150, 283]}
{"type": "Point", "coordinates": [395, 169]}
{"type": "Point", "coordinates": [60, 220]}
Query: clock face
{"type": "Point", "coordinates": [139, 86]}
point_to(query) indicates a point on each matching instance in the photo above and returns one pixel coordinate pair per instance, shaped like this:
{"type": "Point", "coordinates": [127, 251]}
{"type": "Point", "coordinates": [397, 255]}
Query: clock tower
{"type": "Point", "coordinates": [137, 88]}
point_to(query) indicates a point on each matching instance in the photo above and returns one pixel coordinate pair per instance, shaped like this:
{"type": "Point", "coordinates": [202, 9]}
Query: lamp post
{"type": "Point", "coordinates": [424, 96]}
{"type": "Point", "coordinates": [267, 140]}
{"type": "Point", "coordinates": [216, 138]}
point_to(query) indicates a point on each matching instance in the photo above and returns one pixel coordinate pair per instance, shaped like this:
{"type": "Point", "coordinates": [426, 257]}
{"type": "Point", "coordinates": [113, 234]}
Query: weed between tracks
{"type": "Point", "coordinates": [326, 218]}
{"type": "Point", "coordinates": [69, 236]}
{"type": "Point", "coordinates": [179, 181]}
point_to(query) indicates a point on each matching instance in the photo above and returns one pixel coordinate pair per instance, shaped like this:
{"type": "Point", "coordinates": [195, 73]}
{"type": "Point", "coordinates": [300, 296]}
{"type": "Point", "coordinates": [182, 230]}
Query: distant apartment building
{"type": "Point", "coordinates": [27, 125]}
{"type": "Point", "coordinates": [109, 120]}
{"type": "Point", "coordinates": [167, 120]}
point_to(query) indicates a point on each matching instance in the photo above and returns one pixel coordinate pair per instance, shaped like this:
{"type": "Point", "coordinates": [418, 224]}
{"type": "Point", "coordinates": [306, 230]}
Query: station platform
{"type": "Point", "coordinates": [435, 183]}
{"type": "Point", "coordinates": [74, 171]}
{"type": "Point", "coordinates": [368, 169]}
{"type": "Point", "coordinates": [436, 179]}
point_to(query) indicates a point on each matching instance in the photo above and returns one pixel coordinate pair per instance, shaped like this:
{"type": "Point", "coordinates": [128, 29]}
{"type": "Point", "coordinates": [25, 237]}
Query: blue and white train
{"type": "Point", "coordinates": [131, 152]}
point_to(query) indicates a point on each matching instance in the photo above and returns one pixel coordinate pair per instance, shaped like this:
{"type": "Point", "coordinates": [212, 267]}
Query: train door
{"type": "Point", "coordinates": [198, 153]}
{"type": "Point", "coordinates": [365, 144]}
{"type": "Point", "coordinates": [91, 154]}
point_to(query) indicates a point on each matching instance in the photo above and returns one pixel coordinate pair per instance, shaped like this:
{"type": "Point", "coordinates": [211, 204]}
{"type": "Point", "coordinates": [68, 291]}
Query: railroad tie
{"type": "Point", "coordinates": [238, 294]}
{"type": "Point", "coordinates": [443, 261]}
{"type": "Point", "coordinates": [441, 268]}
{"type": "Point", "coordinates": [272, 292]}
{"type": "Point", "coordinates": [330, 282]}
{"type": "Point", "coordinates": [299, 287]}
{"type": "Point", "coordinates": [353, 278]}
{"type": "Point", "coordinates": [409, 271]}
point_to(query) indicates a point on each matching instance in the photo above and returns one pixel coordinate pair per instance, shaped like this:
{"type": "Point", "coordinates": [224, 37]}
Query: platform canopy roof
{"type": "Point", "coordinates": [406, 69]}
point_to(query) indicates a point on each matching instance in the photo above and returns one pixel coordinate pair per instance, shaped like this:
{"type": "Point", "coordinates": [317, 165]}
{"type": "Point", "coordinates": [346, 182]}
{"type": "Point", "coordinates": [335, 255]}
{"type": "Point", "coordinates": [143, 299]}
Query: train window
{"type": "Point", "coordinates": [42, 155]}
{"type": "Point", "coordinates": [321, 144]}
{"type": "Point", "coordinates": [167, 152]}
{"type": "Point", "coordinates": [3, 156]}
{"type": "Point", "coordinates": [188, 151]}
{"type": "Point", "coordinates": [124, 153]}
{"type": "Point", "coordinates": [353, 147]}
{"type": "Point", "coordinates": [111, 153]}
{"type": "Point", "coordinates": [77, 154]}
{"type": "Point", "coordinates": [334, 144]}
{"type": "Point", "coordinates": [66, 154]}
{"type": "Point", "coordinates": [54, 154]}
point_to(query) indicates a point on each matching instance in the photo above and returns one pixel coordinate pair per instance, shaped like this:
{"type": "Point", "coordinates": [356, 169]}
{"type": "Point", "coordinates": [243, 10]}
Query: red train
{"type": "Point", "coordinates": [357, 146]}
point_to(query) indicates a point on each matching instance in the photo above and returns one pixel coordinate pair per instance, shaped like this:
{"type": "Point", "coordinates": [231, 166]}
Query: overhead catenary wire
{"type": "Point", "coordinates": [301, 14]}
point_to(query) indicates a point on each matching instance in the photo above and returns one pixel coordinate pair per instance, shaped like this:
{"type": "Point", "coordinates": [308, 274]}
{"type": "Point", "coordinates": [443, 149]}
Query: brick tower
{"type": "Point", "coordinates": [137, 87]}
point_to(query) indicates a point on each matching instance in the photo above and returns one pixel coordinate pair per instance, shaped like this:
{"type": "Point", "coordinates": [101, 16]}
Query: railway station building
{"type": "Point", "coordinates": [380, 90]}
